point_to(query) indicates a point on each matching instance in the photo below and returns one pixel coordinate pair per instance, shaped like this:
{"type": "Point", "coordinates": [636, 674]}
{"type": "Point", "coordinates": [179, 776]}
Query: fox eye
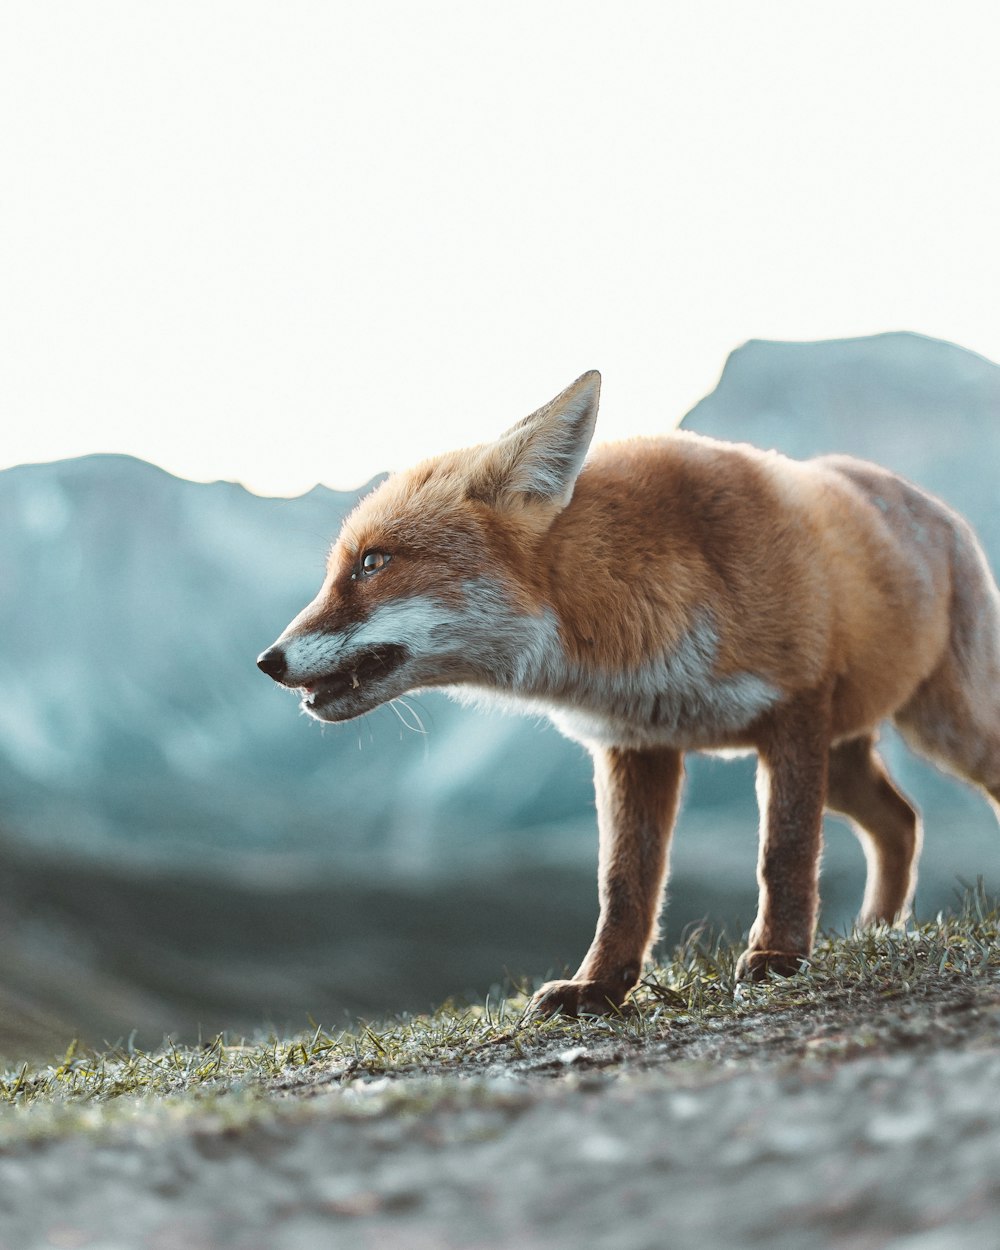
{"type": "Point", "coordinates": [374, 562]}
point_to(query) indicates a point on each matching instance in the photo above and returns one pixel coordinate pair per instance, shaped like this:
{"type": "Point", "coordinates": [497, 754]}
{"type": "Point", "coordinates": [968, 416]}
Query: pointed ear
{"type": "Point", "coordinates": [537, 460]}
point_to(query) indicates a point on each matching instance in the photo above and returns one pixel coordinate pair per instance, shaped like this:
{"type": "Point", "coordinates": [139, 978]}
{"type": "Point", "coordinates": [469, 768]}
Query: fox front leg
{"type": "Point", "coordinates": [791, 789]}
{"type": "Point", "coordinates": [637, 798]}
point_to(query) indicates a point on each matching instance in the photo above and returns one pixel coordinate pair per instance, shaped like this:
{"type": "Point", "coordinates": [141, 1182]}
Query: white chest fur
{"type": "Point", "coordinates": [676, 699]}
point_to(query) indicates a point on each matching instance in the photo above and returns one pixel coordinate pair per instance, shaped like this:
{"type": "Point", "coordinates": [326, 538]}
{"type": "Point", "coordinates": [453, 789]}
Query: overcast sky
{"type": "Point", "coordinates": [293, 242]}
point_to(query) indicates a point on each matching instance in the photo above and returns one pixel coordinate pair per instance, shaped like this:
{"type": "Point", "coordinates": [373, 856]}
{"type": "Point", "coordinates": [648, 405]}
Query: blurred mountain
{"type": "Point", "coordinates": [134, 722]}
{"type": "Point", "coordinates": [927, 409]}
{"type": "Point", "coordinates": [184, 848]}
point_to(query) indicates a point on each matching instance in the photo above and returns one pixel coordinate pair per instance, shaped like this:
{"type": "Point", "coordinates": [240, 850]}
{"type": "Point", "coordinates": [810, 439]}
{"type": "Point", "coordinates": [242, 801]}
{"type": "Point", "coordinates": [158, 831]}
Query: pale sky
{"type": "Point", "coordinates": [299, 242]}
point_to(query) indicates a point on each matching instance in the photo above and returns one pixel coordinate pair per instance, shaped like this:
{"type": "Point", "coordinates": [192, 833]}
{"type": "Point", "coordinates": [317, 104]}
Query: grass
{"type": "Point", "coordinates": [680, 1004]}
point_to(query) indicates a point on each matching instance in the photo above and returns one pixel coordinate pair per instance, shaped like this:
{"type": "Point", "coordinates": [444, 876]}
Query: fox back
{"type": "Point", "coordinates": [664, 595]}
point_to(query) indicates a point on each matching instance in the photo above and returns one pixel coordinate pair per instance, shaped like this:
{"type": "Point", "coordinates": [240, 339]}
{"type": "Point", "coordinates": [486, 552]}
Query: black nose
{"type": "Point", "coordinates": [272, 662]}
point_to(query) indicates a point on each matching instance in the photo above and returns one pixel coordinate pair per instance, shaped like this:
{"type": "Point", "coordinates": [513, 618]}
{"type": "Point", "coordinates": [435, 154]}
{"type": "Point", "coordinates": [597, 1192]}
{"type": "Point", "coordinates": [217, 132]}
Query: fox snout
{"type": "Point", "coordinates": [273, 663]}
{"type": "Point", "coordinates": [338, 679]}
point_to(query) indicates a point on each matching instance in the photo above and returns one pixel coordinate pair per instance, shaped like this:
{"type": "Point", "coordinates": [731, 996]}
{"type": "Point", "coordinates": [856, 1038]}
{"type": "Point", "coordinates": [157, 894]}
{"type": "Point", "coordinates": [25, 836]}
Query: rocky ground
{"type": "Point", "coordinates": [857, 1106]}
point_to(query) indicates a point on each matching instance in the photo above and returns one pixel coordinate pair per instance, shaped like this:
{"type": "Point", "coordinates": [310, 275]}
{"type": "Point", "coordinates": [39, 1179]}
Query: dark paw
{"type": "Point", "coordinates": [578, 998]}
{"type": "Point", "coordinates": [755, 965]}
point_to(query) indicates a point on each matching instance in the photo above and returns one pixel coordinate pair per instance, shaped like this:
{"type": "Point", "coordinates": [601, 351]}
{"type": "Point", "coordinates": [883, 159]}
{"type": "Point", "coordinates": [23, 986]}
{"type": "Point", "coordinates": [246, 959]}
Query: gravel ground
{"type": "Point", "coordinates": [865, 1128]}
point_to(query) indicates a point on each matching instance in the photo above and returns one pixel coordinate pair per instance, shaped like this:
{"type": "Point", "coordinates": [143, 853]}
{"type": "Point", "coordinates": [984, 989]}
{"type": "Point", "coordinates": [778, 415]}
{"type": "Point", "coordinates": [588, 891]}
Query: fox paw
{"type": "Point", "coordinates": [578, 998]}
{"type": "Point", "coordinates": [754, 965]}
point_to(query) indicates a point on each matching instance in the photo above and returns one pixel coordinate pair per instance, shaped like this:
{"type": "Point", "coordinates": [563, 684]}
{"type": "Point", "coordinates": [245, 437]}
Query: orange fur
{"type": "Point", "coordinates": [671, 594]}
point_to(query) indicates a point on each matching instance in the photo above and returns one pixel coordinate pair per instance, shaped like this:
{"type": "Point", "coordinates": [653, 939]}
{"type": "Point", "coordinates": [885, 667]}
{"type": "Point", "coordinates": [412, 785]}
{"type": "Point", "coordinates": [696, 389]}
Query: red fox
{"type": "Point", "coordinates": [675, 594]}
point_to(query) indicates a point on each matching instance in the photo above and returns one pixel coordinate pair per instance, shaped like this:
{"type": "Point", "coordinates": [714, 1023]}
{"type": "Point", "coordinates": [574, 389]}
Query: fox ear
{"type": "Point", "coordinates": [538, 460]}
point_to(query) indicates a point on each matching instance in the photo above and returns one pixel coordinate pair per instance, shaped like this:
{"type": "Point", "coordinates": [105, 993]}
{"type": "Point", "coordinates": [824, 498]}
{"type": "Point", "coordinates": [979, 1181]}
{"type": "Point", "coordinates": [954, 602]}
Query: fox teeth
{"type": "Point", "coordinates": [354, 681]}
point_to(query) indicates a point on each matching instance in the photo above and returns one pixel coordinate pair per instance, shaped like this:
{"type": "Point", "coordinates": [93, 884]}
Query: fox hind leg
{"type": "Point", "coordinates": [887, 826]}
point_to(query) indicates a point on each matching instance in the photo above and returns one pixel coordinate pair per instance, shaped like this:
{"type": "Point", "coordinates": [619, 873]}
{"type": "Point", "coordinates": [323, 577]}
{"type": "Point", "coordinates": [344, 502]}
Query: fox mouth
{"type": "Point", "coordinates": [351, 684]}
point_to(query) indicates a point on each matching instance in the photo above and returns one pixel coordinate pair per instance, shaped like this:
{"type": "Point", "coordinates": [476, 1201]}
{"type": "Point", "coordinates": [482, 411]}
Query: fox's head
{"type": "Point", "coordinates": [439, 576]}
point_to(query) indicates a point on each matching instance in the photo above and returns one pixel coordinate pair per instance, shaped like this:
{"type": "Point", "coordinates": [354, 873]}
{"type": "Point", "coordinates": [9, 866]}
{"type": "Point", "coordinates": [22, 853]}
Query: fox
{"type": "Point", "coordinates": [672, 594]}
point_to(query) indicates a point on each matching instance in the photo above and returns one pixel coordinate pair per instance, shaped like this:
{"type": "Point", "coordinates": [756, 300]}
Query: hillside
{"type": "Point", "coordinates": [850, 1106]}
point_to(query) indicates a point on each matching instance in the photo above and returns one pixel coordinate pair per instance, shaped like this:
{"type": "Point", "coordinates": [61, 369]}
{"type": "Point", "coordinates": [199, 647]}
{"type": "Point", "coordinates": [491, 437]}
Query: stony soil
{"type": "Point", "coordinates": [866, 1123]}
